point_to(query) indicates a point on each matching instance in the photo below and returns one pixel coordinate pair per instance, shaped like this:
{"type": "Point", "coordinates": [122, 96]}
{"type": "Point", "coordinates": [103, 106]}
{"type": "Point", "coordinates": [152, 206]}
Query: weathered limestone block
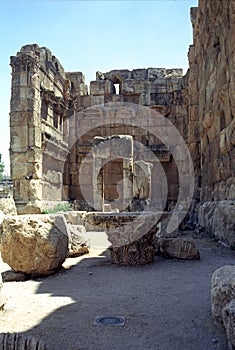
{"type": "Point", "coordinates": [7, 206]}
{"type": "Point", "coordinates": [18, 341]}
{"type": "Point", "coordinates": [93, 222]}
{"type": "Point", "coordinates": [179, 248]}
{"type": "Point", "coordinates": [229, 323]}
{"type": "Point", "coordinates": [78, 245]}
{"type": "Point", "coordinates": [222, 290]}
{"type": "Point", "coordinates": [125, 233]}
{"type": "Point", "coordinates": [141, 179]}
{"type": "Point", "coordinates": [218, 217]}
{"type": "Point", "coordinates": [227, 138]}
{"type": "Point", "coordinates": [34, 244]}
{"type": "Point", "coordinates": [75, 217]}
{"type": "Point", "coordinates": [101, 87]}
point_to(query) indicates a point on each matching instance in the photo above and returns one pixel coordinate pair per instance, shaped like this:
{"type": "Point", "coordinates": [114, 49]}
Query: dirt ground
{"type": "Point", "coordinates": [166, 304]}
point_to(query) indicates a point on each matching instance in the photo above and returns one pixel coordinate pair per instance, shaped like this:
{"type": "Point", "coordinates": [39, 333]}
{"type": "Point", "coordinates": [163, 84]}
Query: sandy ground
{"type": "Point", "coordinates": [166, 304]}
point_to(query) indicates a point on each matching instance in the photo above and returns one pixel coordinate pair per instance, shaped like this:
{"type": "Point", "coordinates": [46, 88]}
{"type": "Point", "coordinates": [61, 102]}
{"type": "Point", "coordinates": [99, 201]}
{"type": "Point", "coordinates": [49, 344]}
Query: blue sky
{"type": "Point", "coordinates": [93, 35]}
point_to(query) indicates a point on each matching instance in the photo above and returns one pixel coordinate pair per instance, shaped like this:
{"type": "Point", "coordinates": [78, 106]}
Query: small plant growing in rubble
{"type": "Point", "coordinates": [61, 207]}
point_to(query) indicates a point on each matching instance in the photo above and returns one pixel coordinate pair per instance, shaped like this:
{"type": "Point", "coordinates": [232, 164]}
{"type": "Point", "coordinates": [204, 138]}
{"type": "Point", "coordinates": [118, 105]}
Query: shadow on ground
{"type": "Point", "coordinates": [166, 304]}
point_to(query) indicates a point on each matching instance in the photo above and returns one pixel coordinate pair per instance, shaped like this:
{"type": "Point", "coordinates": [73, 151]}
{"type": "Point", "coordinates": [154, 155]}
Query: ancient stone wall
{"type": "Point", "coordinates": [55, 123]}
{"type": "Point", "coordinates": [54, 126]}
{"type": "Point", "coordinates": [38, 141]}
{"type": "Point", "coordinates": [211, 97]}
{"type": "Point", "coordinates": [159, 89]}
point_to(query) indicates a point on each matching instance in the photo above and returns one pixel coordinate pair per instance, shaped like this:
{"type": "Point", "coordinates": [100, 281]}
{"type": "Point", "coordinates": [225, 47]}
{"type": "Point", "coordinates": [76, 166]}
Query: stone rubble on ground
{"type": "Point", "coordinates": [179, 248]}
{"type": "Point", "coordinates": [78, 244]}
{"type": "Point", "coordinates": [223, 300]}
{"type": "Point", "coordinates": [7, 206]}
{"type": "Point", "coordinates": [34, 244]}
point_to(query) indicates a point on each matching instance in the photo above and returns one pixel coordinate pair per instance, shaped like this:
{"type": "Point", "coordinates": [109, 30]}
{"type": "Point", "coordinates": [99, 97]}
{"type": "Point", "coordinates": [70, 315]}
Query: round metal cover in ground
{"type": "Point", "coordinates": [109, 321]}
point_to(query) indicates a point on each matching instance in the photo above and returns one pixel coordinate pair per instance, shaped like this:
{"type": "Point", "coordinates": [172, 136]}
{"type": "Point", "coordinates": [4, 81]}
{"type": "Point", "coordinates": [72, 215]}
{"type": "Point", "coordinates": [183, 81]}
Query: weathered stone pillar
{"type": "Point", "coordinates": [39, 145]}
{"type": "Point", "coordinates": [25, 150]}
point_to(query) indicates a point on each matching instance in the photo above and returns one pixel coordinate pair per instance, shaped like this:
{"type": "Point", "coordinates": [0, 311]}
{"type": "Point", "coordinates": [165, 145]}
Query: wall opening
{"type": "Point", "coordinates": [117, 88]}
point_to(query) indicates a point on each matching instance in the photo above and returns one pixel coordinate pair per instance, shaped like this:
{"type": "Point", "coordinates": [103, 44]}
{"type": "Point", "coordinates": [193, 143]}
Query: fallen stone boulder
{"type": "Point", "coordinates": [228, 313]}
{"type": "Point", "coordinates": [78, 245]}
{"type": "Point", "coordinates": [34, 244]}
{"type": "Point", "coordinates": [179, 248]}
{"type": "Point", "coordinates": [222, 290]}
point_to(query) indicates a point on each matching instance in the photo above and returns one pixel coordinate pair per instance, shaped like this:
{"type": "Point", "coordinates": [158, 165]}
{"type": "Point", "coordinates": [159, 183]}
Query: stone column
{"type": "Point", "coordinates": [25, 150]}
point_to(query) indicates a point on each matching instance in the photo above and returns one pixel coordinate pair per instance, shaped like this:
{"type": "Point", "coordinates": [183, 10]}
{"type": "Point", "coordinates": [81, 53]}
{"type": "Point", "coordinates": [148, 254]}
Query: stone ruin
{"type": "Point", "coordinates": [63, 137]}
{"type": "Point", "coordinates": [63, 143]}
{"type": "Point", "coordinates": [50, 107]}
{"type": "Point", "coordinates": [47, 147]}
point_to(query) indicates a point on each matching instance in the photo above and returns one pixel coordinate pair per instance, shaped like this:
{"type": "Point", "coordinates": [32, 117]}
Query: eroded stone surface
{"type": "Point", "coordinates": [78, 244]}
{"type": "Point", "coordinates": [139, 252]}
{"type": "Point", "coordinates": [222, 290]}
{"type": "Point", "coordinates": [211, 109]}
{"type": "Point", "coordinates": [75, 217]}
{"type": "Point", "coordinates": [179, 248]}
{"type": "Point", "coordinates": [229, 322]}
{"type": "Point", "coordinates": [219, 217]}
{"type": "Point", "coordinates": [34, 244]}
{"type": "Point", "coordinates": [7, 206]}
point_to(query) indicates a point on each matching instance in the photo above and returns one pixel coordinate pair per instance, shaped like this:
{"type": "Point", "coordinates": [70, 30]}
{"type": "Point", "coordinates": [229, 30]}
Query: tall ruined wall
{"type": "Point", "coordinates": [211, 135]}
{"type": "Point", "coordinates": [159, 89]}
{"type": "Point", "coordinates": [50, 109]}
{"type": "Point", "coordinates": [38, 127]}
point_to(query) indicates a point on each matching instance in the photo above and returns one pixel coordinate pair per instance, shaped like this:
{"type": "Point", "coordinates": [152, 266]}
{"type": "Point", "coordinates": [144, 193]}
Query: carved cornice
{"type": "Point", "coordinates": [24, 63]}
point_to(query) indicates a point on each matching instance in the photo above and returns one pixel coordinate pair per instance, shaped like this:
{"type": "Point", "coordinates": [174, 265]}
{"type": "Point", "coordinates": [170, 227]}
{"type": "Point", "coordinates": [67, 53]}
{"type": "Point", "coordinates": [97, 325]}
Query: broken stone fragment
{"type": "Point", "coordinates": [222, 290]}
{"type": "Point", "coordinates": [34, 244]}
{"type": "Point", "coordinates": [229, 322]}
{"type": "Point", "coordinates": [179, 248]}
{"type": "Point", "coordinates": [78, 245]}
{"type": "Point", "coordinates": [12, 276]}
{"type": "Point", "coordinates": [7, 206]}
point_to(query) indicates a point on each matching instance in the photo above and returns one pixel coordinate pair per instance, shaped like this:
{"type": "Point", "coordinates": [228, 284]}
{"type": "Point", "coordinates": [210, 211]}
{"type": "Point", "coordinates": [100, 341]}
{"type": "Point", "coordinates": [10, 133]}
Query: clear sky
{"type": "Point", "coordinates": [93, 35]}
